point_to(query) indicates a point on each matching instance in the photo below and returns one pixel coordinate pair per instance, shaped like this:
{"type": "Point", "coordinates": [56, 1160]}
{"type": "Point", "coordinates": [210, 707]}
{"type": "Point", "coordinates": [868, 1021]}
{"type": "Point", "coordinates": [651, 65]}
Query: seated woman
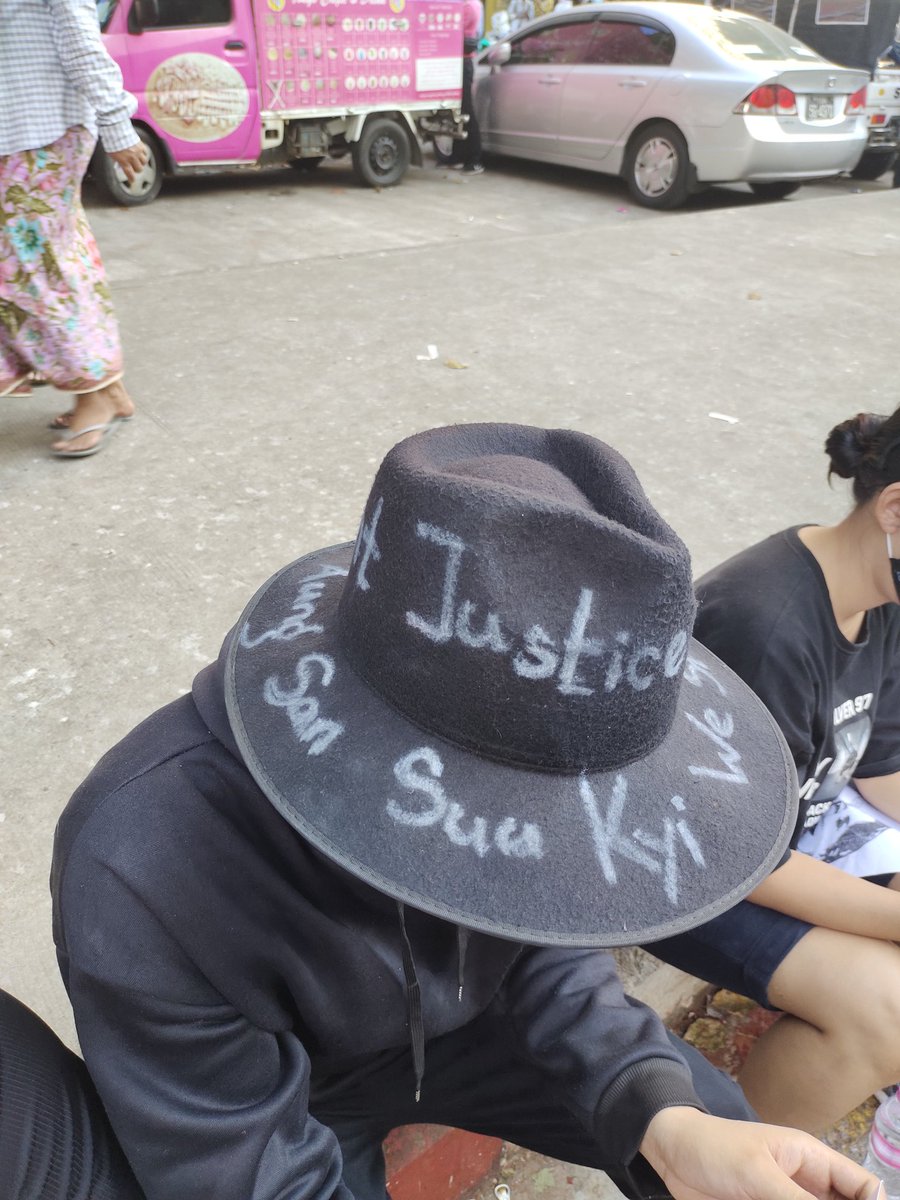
{"type": "Point", "coordinates": [809, 618]}
{"type": "Point", "coordinates": [55, 1140]}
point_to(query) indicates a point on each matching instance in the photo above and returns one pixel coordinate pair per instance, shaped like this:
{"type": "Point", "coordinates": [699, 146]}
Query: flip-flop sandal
{"type": "Point", "coordinates": [106, 429]}
{"type": "Point", "coordinates": [61, 420]}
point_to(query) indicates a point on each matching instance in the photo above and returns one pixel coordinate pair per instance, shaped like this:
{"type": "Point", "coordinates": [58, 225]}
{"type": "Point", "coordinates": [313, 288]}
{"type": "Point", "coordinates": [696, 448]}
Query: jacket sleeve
{"type": "Point", "coordinates": [610, 1057]}
{"type": "Point", "coordinates": [206, 1105]}
{"type": "Point", "coordinates": [91, 70]}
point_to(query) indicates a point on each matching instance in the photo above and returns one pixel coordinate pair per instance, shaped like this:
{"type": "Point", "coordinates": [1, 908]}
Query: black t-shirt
{"type": "Point", "coordinates": [767, 613]}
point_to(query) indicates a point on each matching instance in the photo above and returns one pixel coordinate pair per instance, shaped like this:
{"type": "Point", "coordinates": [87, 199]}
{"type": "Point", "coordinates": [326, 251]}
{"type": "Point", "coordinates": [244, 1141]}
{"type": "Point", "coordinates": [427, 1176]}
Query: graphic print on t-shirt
{"type": "Point", "coordinates": [851, 729]}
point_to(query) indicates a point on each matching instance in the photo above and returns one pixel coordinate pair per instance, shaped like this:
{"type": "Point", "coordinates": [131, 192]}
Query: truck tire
{"type": "Point", "coordinates": [444, 146]}
{"type": "Point", "coordinates": [145, 186]}
{"type": "Point", "coordinates": [874, 163]}
{"type": "Point", "coordinates": [382, 155]}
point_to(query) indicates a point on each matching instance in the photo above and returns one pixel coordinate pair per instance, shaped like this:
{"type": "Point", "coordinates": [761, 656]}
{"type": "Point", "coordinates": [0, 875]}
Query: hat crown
{"type": "Point", "coordinates": [513, 590]}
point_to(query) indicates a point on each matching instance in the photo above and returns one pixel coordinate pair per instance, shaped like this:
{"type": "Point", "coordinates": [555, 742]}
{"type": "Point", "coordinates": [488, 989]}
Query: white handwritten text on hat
{"type": "Point", "coordinates": [303, 607]}
{"type": "Point", "coordinates": [302, 709]}
{"type": "Point", "coordinates": [506, 837]}
{"type": "Point", "coordinates": [366, 547]}
{"type": "Point", "coordinates": [539, 657]}
{"type": "Point", "coordinates": [641, 847]}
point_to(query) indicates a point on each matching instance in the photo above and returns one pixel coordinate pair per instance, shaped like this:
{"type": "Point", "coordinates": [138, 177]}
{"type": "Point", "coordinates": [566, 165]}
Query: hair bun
{"type": "Point", "coordinates": [850, 445]}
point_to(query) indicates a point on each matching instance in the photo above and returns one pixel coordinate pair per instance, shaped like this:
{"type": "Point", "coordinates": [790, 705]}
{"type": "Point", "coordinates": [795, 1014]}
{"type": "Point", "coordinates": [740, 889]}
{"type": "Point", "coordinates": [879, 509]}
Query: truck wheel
{"type": "Point", "coordinates": [145, 186]}
{"type": "Point", "coordinates": [776, 190]}
{"type": "Point", "coordinates": [657, 168]}
{"type": "Point", "coordinates": [381, 156]}
{"type": "Point", "coordinates": [874, 163]}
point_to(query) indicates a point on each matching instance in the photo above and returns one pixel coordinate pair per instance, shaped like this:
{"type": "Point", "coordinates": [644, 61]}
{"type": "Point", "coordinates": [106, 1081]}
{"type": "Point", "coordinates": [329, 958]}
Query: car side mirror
{"type": "Point", "coordinates": [144, 14]}
{"type": "Point", "coordinates": [499, 54]}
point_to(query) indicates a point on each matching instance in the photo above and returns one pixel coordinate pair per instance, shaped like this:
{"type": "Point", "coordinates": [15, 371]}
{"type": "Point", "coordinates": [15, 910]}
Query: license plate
{"type": "Point", "coordinates": [819, 108]}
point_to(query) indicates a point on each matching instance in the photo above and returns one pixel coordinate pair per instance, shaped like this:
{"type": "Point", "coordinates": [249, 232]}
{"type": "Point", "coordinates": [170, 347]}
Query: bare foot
{"type": "Point", "coordinates": [92, 408]}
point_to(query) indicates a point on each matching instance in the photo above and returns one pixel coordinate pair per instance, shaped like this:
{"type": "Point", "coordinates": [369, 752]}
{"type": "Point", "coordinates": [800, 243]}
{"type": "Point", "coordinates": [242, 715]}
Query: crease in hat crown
{"type": "Point", "coordinates": [513, 590]}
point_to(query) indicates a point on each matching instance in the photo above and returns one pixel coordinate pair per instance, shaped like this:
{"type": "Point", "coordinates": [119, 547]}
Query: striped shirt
{"type": "Point", "coordinates": [55, 73]}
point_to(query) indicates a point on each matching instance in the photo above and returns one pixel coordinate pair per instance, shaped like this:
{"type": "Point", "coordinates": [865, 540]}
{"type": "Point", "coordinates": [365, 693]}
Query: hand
{"type": "Point", "coordinates": [131, 160]}
{"type": "Point", "coordinates": [701, 1157]}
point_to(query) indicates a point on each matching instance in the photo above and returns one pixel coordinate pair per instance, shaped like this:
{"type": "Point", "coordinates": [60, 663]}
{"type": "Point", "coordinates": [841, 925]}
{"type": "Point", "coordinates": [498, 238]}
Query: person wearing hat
{"type": "Point", "coordinates": [358, 877]}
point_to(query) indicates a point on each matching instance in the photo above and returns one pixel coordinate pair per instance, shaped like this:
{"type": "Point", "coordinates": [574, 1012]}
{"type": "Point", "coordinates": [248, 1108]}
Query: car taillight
{"type": "Point", "coordinates": [770, 100]}
{"type": "Point", "coordinates": [856, 103]}
{"type": "Point", "coordinates": [878, 119]}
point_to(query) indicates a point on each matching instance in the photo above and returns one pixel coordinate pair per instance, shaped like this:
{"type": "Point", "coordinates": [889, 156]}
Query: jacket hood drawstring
{"type": "Point", "coordinates": [462, 945]}
{"type": "Point", "coordinates": [413, 1005]}
{"type": "Point", "coordinates": [414, 994]}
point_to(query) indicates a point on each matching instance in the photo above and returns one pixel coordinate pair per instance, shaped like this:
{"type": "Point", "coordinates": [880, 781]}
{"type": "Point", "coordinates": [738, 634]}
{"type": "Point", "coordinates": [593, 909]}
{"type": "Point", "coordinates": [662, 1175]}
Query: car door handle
{"type": "Point", "coordinates": [549, 80]}
{"type": "Point", "coordinates": [235, 45]}
{"type": "Point", "coordinates": [632, 83]}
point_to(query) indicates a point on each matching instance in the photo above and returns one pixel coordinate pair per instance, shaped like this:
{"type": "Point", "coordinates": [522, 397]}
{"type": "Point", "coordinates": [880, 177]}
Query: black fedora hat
{"type": "Point", "coordinates": [491, 708]}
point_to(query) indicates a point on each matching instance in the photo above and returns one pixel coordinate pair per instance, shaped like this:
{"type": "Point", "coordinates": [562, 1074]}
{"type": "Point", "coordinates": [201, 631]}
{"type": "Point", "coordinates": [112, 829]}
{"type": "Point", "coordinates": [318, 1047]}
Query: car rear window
{"type": "Point", "coordinates": [753, 39]}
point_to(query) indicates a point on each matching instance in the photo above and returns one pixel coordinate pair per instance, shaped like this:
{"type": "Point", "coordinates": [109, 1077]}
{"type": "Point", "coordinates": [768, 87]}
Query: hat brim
{"type": "Point", "coordinates": [544, 857]}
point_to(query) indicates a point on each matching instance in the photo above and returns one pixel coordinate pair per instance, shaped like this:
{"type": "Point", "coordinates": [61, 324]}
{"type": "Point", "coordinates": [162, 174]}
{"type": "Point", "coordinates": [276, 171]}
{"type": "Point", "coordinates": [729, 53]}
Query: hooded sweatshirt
{"type": "Point", "coordinates": [218, 964]}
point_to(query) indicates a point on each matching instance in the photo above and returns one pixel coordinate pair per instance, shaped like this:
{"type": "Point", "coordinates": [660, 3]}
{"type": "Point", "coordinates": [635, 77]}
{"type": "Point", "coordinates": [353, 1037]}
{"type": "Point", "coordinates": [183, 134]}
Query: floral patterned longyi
{"type": "Point", "coordinates": [56, 313]}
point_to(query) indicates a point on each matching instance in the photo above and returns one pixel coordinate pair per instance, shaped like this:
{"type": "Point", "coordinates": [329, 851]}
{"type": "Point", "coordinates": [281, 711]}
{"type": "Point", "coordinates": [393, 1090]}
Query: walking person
{"type": "Point", "coordinates": [58, 86]}
{"type": "Point", "coordinates": [810, 619]}
{"type": "Point", "coordinates": [467, 152]}
{"type": "Point", "coordinates": [356, 877]}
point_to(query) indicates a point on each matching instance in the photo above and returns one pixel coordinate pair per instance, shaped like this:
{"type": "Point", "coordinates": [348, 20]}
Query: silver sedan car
{"type": "Point", "coordinates": [671, 96]}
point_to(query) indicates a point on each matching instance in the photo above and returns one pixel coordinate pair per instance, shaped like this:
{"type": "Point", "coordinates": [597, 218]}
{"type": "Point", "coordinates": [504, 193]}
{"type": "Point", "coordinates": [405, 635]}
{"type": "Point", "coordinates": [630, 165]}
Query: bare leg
{"type": "Point", "coordinates": [95, 408]}
{"type": "Point", "coordinates": [839, 1039]}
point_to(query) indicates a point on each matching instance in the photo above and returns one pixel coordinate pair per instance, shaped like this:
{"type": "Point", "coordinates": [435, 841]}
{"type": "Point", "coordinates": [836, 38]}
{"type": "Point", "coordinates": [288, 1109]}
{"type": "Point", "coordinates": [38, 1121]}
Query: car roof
{"type": "Point", "coordinates": [692, 15]}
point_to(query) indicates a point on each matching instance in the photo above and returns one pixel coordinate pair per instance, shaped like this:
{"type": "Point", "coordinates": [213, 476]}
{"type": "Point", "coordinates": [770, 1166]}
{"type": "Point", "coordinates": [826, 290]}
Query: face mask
{"type": "Point", "coordinates": [895, 565]}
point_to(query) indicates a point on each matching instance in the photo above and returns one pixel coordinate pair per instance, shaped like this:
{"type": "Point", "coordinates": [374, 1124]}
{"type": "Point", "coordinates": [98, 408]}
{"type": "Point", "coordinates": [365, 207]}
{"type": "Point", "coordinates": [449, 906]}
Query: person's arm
{"type": "Point", "coordinates": [91, 71]}
{"type": "Point", "coordinates": [625, 1082]}
{"type": "Point", "coordinates": [611, 1057]}
{"type": "Point", "coordinates": [204, 1100]}
{"type": "Point", "coordinates": [882, 793]}
{"type": "Point", "coordinates": [701, 1157]}
{"type": "Point", "coordinates": [822, 894]}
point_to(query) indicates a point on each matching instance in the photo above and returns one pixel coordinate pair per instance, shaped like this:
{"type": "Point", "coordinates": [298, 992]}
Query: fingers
{"type": "Point", "coordinates": [875, 1192]}
{"type": "Point", "coordinates": [821, 1171]}
{"type": "Point", "coordinates": [701, 1157]}
{"type": "Point", "coordinates": [131, 160]}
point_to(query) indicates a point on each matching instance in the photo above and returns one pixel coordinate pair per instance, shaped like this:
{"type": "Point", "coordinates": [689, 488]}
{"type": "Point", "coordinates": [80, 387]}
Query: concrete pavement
{"type": "Point", "coordinates": [278, 346]}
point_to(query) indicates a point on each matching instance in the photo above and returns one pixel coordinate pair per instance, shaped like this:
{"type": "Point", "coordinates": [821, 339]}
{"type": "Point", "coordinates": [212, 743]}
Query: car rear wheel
{"type": "Point", "coordinates": [145, 185]}
{"type": "Point", "coordinates": [874, 163]}
{"type": "Point", "coordinates": [657, 167]}
{"type": "Point", "coordinates": [775, 190]}
{"type": "Point", "coordinates": [381, 156]}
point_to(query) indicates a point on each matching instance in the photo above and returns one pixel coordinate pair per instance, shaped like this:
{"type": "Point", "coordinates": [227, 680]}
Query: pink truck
{"type": "Point", "coordinates": [235, 83]}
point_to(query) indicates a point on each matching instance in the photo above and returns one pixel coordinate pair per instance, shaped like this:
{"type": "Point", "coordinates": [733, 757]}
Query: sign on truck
{"type": "Point", "coordinates": [237, 83]}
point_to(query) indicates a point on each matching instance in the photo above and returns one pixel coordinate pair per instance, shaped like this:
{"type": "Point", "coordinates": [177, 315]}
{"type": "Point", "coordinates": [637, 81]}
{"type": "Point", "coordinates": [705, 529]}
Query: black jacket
{"type": "Point", "coordinates": [215, 960]}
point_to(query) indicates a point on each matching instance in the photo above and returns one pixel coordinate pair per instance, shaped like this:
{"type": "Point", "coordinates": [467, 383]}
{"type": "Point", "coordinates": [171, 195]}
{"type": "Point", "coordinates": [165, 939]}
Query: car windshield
{"type": "Point", "coordinates": [105, 11]}
{"type": "Point", "coordinates": [756, 40]}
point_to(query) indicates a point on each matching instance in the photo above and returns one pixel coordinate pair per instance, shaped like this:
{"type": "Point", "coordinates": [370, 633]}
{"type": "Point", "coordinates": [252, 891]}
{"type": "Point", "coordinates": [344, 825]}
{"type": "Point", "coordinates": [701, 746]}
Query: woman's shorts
{"type": "Point", "coordinates": [739, 950]}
